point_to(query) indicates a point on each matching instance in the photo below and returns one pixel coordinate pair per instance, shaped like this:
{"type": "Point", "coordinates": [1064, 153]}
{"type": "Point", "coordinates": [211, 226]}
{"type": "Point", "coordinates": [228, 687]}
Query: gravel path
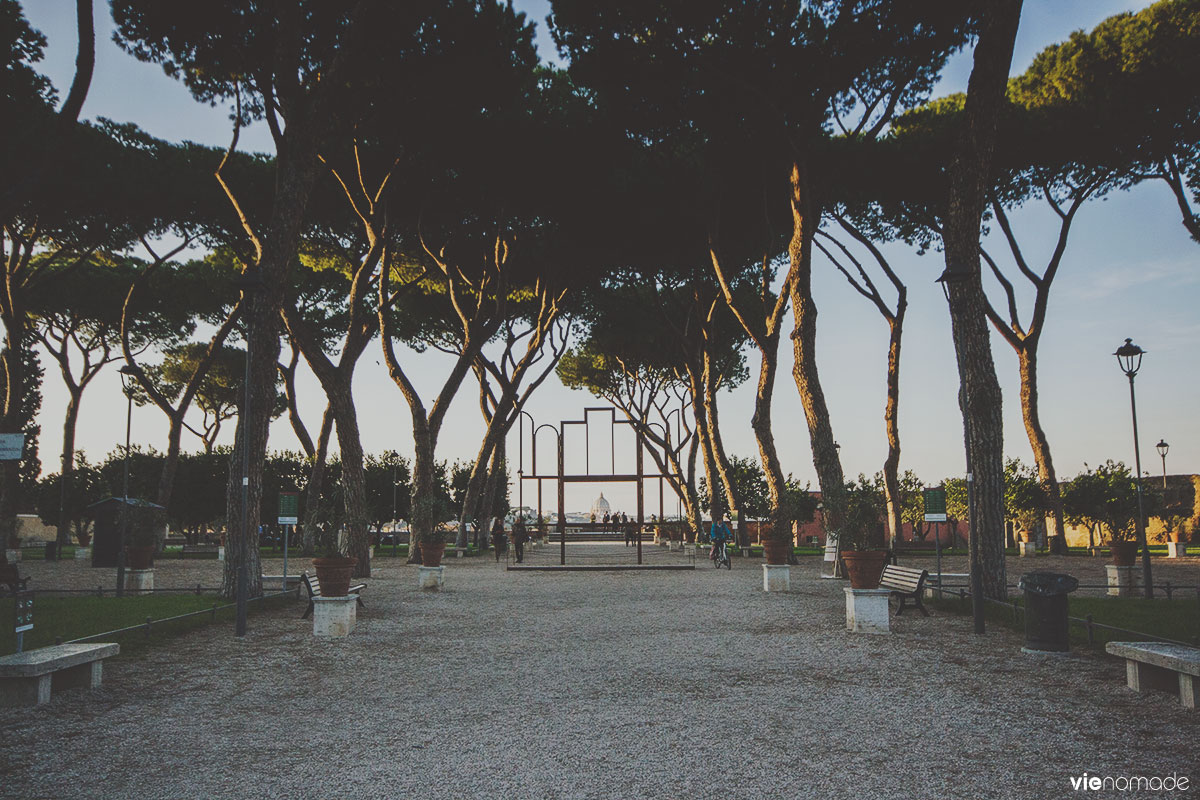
{"type": "Point", "coordinates": [595, 685]}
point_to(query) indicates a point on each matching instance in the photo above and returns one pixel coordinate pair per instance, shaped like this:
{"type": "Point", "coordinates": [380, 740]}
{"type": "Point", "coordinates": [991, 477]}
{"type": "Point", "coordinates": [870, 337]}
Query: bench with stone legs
{"type": "Point", "coordinates": [1159, 665]}
{"type": "Point", "coordinates": [201, 549]}
{"type": "Point", "coordinates": [27, 679]}
{"type": "Point", "coordinates": [905, 582]}
{"type": "Point", "coordinates": [314, 590]}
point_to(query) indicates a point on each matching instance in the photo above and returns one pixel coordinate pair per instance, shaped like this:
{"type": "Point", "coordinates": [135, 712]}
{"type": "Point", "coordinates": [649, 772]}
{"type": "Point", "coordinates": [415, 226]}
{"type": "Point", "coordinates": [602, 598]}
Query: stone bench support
{"type": "Point", "coordinates": [1161, 666]}
{"type": "Point", "coordinates": [30, 678]}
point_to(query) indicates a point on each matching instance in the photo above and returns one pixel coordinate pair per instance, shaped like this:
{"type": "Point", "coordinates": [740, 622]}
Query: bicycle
{"type": "Point", "coordinates": [720, 555]}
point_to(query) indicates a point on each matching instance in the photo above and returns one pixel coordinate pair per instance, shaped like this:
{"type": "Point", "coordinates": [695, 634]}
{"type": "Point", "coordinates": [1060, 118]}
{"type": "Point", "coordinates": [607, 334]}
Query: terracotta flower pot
{"type": "Point", "coordinates": [139, 557]}
{"type": "Point", "coordinates": [776, 550]}
{"type": "Point", "coordinates": [1124, 554]}
{"type": "Point", "coordinates": [432, 552]}
{"type": "Point", "coordinates": [864, 567]}
{"type": "Point", "coordinates": [334, 575]}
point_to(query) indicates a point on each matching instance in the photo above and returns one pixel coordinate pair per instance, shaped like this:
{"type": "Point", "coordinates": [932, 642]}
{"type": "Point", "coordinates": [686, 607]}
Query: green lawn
{"type": "Point", "coordinates": [1177, 619]}
{"type": "Point", "coordinates": [83, 615]}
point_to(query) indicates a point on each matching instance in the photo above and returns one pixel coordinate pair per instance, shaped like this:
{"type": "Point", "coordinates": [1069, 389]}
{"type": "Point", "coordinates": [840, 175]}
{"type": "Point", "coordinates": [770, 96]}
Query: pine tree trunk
{"type": "Point", "coordinates": [805, 218]}
{"type": "Point", "coordinates": [166, 478]}
{"type": "Point", "coordinates": [10, 422]}
{"type": "Point", "coordinates": [761, 421]}
{"type": "Point", "coordinates": [720, 458]}
{"type": "Point", "coordinates": [354, 479]}
{"type": "Point", "coordinates": [421, 525]}
{"type": "Point", "coordinates": [1037, 436]}
{"type": "Point", "coordinates": [316, 485]}
{"type": "Point", "coordinates": [716, 504]}
{"type": "Point", "coordinates": [891, 414]}
{"type": "Point", "coordinates": [71, 420]}
{"type": "Point", "coordinates": [980, 398]}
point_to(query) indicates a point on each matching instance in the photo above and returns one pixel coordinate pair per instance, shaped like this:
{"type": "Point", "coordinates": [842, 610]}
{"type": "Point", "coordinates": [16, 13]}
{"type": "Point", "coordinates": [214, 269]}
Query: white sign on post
{"type": "Point", "coordinates": [12, 445]}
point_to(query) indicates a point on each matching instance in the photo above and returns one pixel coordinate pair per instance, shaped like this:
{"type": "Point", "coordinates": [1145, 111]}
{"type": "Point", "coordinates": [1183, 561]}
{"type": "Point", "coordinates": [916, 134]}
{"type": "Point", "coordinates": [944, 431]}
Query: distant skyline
{"type": "Point", "coordinates": [1130, 271]}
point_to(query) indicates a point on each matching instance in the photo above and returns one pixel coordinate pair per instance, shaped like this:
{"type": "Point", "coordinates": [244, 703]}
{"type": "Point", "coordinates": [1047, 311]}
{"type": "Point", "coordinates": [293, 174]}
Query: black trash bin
{"type": "Point", "coordinates": [1046, 627]}
{"type": "Point", "coordinates": [51, 551]}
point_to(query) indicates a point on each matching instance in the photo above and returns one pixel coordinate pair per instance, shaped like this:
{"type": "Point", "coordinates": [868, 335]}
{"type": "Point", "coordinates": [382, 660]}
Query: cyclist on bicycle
{"type": "Point", "coordinates": [720, 535]}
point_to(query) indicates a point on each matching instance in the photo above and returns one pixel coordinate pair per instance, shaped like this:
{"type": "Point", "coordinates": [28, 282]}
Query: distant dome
{"type": "Point", "coordinates": [600, 507]}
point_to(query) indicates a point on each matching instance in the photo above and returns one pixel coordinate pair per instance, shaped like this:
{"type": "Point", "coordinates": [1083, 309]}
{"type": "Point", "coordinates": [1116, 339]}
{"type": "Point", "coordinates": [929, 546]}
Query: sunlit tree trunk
{"type": "Point", "coordinates": [805, 219]}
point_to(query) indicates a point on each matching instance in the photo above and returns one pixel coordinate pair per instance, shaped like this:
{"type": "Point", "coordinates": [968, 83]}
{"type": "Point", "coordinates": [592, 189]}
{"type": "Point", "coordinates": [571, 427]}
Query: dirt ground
{"type": "Point", "coordinates": [676, 684]}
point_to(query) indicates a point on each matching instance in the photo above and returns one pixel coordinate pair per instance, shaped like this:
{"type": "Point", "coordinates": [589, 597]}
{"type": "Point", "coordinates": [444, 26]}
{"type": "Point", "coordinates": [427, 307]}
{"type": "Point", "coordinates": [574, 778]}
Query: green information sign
{"type": "Point", "coordinates": [935, 505]}
{"type": "Point", "coordinates": [289, 508]}
{"type": "Point", "coordinates": [24, 612]}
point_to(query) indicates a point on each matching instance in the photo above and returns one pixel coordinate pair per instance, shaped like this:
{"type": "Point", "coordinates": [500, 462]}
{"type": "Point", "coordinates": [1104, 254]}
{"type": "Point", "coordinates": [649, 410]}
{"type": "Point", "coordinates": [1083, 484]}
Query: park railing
{"type": "Point", "coordinates": [1089, 625]}
{"type": "Point", "coordinates": [148, 626]}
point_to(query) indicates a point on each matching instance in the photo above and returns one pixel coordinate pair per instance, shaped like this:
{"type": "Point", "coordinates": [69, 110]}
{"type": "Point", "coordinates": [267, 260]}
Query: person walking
{"type": "Point", "coordinates": [498, 536]}
{"type": "Point", "coordinates": [518, 538]}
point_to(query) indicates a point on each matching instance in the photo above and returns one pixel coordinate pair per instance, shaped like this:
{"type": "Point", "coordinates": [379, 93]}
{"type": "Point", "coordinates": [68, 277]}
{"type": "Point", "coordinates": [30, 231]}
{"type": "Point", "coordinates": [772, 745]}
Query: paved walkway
{"type": "Point", "coordinates": [583, 685]}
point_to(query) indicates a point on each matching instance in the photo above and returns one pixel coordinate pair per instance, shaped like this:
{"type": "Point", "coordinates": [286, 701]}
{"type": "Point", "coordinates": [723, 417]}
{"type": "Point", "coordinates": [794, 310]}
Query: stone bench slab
{"type": "Point", "coordinates": [44, 660]}
{"type": "Point", "coordinates": [1175, 657]}
{"type": "Point", "coordinates": [1162, 666]}
{"type": "Point", "coordinates": [28, 679]}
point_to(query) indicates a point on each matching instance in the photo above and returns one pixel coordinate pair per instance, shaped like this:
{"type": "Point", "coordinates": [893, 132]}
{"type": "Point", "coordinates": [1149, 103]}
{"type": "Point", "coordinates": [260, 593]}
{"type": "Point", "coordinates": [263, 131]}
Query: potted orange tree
{"type": "Point", "coordinates": [334, 567]}
{"type": "Point", "coordinates": [858, 512]}
{"type": "Point", "coordinates": [796, 505]}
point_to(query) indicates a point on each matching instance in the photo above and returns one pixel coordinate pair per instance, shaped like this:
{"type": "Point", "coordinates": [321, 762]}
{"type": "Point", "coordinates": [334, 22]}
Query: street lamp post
{"type": "Point", "coordinates": [128, 374]}
{"type": "Point", "coordinates": [1129, 358]}
{"type": "Point", "coordinates": [1162, 448]}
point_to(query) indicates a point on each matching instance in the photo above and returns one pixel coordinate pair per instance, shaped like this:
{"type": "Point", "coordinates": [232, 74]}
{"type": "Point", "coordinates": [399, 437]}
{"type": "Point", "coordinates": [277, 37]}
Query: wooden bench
{"type": "Point", "coordinates": [905, 582]}
{"type": "Point", "coordinates": [1158, 665]}
{"type": "Point", "coordinates": [11, 579]}
{"type": "Point", "coordinates": [26, 679]}
{"type": "Point", "coordinates": [314, 590]}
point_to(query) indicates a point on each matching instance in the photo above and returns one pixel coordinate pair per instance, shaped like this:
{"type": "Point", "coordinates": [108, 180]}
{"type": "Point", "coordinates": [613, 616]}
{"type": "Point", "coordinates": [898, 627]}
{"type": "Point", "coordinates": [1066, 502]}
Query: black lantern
{"type": "Point", "coordinates": [1162, 447]}
{"type": "Point", "coordinates": [1129, 357]}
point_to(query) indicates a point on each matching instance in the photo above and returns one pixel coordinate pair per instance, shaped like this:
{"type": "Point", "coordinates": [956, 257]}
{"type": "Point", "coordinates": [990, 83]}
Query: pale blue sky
{"type": "Point", "coordinates": [1130, 271]}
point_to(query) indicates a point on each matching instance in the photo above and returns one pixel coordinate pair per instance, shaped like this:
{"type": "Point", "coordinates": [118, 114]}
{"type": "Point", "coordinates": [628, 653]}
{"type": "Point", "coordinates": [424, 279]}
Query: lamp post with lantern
{"type": "Point", "coordinates": [1162, 448]}
{"type": "Point", "coordinates": [1129, 358]}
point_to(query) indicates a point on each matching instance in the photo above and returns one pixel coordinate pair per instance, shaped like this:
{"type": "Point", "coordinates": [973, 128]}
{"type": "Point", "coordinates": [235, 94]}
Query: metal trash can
{"type": "Point", "coordinates": [1046, 627]}
{"type": "Point", "coordinates": [51, 551]}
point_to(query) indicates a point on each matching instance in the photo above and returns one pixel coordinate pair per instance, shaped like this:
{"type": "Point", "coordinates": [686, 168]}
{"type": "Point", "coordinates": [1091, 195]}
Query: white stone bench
{"type": "Point", "coordinates": [26, 679]}
{"type": "Point", "coordinates": [1158, 665]}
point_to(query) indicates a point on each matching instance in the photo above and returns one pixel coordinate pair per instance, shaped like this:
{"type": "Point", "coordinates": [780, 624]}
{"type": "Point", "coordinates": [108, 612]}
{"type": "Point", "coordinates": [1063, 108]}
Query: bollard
{"type": "Point", "coordinates": [1090, 632]}
{"type": "Point", "coordinates": [147, 627]}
